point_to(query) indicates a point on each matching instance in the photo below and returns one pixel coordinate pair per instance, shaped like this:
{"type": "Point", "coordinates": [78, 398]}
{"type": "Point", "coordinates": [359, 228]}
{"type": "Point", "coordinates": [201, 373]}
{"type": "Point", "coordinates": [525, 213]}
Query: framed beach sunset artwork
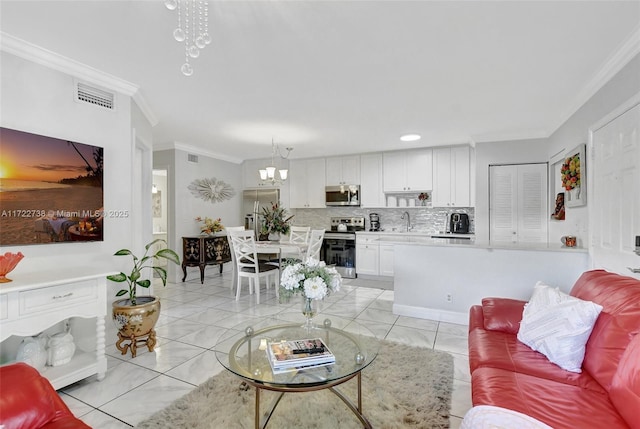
{"type": "Point", "coordinates": [51, 190]}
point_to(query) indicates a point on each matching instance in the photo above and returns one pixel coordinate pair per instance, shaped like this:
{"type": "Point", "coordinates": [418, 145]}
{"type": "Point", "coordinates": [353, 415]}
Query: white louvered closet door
{"type": "Point", "coordinates": [614, 205]}
{"type": "Point", "coordinates": [518, 209]}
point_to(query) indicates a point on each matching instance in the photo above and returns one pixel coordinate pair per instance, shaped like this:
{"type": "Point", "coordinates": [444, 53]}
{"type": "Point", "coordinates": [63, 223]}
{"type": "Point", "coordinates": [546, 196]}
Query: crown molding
{"type": "Point", "coordinates": [507, 136]}
{"type": "Point", "coordinates": [616, 62]}
{"type": "Point", "coordinates": [196, 151]}
{"type": "Point", "coordinates": [36, 54]}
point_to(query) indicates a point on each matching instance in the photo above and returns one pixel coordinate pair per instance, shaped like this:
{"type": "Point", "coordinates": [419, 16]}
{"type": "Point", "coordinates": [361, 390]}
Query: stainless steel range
{"type": "Point", "coordinates": [339, 245]}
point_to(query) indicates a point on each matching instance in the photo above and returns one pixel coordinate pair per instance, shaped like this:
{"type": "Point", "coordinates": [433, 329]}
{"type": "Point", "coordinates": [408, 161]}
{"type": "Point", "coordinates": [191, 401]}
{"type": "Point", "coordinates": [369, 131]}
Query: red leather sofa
{"type": "Point", "coordinates": [27, 400]}
{"type": "Point", "coordinates": [606, 394]}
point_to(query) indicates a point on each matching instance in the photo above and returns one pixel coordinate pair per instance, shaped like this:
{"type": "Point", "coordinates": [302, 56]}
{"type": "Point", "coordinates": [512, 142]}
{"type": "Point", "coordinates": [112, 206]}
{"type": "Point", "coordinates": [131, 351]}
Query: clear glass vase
{"type": "Point", "coordinates": [309, 310]}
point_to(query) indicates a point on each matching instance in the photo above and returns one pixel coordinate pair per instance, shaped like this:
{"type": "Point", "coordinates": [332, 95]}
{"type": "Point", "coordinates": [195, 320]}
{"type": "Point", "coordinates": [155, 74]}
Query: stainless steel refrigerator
{"type": "Point", "coordinates": [252, 203]}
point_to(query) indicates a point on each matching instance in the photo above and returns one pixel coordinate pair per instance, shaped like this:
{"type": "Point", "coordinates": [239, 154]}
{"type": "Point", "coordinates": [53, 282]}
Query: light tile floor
{"type": "Point", "coordinates": [195, 315]}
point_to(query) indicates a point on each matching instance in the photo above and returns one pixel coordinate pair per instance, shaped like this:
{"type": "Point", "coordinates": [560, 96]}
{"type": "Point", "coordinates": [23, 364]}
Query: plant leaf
{"type": "Point", "coordinates": [122, 252]}
{"type": "Point", "coordinates": [144, 283]}
{"type": "Point", "coordinates": [169, 254]}
{"type": "Point", "coordinates": [122, 292]}
{"type": "Point", "coordinates": [121, 277]}
{"type": "Point", "coordinates": [148, 246]}
{"type": "Point", "coordinates": [162, 273]}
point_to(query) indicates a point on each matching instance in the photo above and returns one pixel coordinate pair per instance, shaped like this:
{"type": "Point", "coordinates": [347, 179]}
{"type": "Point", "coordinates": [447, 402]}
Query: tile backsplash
{"type": "Point", "coordinates": [423, 219]}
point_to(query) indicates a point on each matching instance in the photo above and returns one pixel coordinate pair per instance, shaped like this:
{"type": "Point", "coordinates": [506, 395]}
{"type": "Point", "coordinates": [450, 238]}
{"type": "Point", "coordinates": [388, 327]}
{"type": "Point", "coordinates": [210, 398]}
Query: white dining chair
{"type": "Point", "coordinates": [247, 264]}
{"type": "Point", "coordinates": [298, 236]}
{"type": "Point", "coordinates": [315, 244]}
{"type": "Point", "coordinates": [234, 271]}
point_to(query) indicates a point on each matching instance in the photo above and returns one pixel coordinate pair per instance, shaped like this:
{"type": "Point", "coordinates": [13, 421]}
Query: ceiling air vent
{"type": "Point", "coordinates": [95, 96]}
{"type": "Point", "coordinates": [192, 158]}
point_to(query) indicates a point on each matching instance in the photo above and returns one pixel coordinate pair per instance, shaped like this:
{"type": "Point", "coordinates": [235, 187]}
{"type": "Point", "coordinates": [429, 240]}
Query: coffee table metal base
{"type": "Point", "coordinates": [357, 410]}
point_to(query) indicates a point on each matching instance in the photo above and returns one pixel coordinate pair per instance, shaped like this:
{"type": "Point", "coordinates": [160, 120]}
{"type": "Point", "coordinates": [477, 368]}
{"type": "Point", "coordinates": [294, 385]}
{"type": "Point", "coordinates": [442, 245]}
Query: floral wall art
{"type": "Point", "coordinates": [212, 190]}
{"type": "Point", "coordinates": [573, 174]}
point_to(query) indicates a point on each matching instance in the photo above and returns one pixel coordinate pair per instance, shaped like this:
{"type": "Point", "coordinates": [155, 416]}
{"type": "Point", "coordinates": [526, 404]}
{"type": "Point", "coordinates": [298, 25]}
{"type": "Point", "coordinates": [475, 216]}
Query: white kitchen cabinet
{"type": "Point", "coordinates": [367, 259]}
{"type": "Point", "coordinates": [307, 183]}
{"type": "Point", "coordinates": [35, 302]}
{"type": "Point", "coordinates": [406, 171]}
{"type": "Point", "coordinates": [371, 194]}
{"type": "Point", "coordinates": [367, 254]}
{"type": "Point", "coordinates": [451, 177]}
{"type": "Point", "coordinates": [385, 256]}
{"type": "Point", "coordinates": [343, 170]}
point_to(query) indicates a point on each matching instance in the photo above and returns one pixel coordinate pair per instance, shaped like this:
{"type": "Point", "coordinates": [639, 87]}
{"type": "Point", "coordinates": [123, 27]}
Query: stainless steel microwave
{"type": "Point", "coordinates": [342, 195]}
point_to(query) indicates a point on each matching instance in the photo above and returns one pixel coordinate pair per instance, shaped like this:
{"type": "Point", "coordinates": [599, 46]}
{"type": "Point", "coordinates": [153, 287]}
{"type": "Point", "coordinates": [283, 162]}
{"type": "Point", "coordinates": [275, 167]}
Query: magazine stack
{"type": "Point", "coordinates": [294, 355]}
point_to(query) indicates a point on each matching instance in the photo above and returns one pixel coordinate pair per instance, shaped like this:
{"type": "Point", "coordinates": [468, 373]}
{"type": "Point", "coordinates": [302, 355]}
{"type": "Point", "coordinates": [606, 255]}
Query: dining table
{"type": "Point", "coordinates": [276, 249]}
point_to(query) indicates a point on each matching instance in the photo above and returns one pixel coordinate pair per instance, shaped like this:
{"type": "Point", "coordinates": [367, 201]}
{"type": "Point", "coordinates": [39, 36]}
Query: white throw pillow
{"type": "Point", "coordinates": [558, 326]}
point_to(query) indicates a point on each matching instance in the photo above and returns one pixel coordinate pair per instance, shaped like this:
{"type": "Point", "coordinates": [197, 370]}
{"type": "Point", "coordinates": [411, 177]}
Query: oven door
{"type": "Point", "coordinates": [341, 253]}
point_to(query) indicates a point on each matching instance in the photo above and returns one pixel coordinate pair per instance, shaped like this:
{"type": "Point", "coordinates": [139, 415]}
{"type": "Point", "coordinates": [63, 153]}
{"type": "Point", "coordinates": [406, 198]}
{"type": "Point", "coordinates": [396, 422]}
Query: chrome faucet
{"type": "Point", "coordinates": [408, 220]}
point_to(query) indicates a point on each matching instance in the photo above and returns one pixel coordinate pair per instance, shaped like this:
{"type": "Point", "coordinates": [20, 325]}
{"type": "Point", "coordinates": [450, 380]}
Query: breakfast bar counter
{"type": "Point", "coordinates": [440, 279]}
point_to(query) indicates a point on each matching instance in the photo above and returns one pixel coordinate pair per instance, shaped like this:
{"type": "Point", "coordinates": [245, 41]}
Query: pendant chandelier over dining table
{"type": "Point", "coordinates": [268, 174]}
{"type": "Point", "coordinates": [193, 28]}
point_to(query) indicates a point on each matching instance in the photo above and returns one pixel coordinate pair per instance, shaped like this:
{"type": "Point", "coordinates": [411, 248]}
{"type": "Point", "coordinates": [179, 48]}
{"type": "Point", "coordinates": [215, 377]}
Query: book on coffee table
{"type": "Point", "coordinates": [298, 354]}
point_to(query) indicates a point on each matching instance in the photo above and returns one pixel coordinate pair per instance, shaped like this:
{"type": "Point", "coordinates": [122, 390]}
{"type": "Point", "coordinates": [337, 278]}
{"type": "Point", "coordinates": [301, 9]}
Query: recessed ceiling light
{"type": "Point", "coordinates": [410, 137]}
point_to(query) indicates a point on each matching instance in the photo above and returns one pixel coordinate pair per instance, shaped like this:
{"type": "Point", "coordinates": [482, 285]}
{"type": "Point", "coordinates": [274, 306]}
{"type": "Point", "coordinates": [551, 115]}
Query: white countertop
{"type": "Point", "coordinates": [426, 239]}
{"type": "Point", "coordinates": [414, 234]}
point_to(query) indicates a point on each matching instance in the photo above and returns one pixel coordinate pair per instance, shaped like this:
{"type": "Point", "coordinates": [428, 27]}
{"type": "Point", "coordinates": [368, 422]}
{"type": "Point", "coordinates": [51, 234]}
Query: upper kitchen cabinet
{"type": "Point", "coordinates": [451, 177]}
{"type": "Point", "coordinates": [306, 183]}
{"type": "Point", "coordinates": [371, 193]}
{"type": "Point", "coordinates": [407, 171]}
{"type": "Point", "coordinates": [343, 170]}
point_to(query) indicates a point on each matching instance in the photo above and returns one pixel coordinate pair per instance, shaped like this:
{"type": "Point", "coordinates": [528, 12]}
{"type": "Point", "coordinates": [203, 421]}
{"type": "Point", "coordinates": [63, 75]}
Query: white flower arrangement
{"type": "Point", "coordinates": [313, 279]}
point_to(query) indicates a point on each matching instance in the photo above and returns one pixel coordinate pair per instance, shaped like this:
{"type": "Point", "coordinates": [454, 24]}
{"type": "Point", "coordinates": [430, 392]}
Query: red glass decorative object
{"type": "Point", "coordinates": [8, 262]}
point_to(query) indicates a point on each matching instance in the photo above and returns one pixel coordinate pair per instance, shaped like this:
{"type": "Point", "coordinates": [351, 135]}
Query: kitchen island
{"type": "Point", "coordinates": [440, 279]}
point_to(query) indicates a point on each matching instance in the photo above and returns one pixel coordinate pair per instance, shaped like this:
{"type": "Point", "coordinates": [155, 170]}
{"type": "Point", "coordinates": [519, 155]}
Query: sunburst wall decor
{"type": "Point", "coordinates": [213, 190]}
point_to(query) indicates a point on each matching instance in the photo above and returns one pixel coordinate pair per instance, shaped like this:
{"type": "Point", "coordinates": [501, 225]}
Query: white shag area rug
{"type": "Point", "coordinates": [405, 387]}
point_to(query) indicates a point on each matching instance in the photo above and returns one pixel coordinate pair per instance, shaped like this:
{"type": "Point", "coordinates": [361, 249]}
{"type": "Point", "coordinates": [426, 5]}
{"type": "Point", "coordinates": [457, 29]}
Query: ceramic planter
{"type": "Point", "coordinates": [136, 322]}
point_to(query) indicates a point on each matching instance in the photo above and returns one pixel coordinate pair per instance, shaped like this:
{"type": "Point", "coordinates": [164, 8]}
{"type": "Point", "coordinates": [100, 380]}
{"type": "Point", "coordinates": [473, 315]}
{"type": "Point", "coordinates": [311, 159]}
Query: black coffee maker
{"type": "Point", "coordinates": [459, 223]}
{"type": "Point", "coordinates": [374, 222]}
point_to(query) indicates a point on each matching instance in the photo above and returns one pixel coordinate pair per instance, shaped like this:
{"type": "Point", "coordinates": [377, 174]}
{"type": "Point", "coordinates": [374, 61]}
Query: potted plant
{"type": "Point", "coordinates": [134, 316]}
{"type": "Point", "coordinates": [275, 221]}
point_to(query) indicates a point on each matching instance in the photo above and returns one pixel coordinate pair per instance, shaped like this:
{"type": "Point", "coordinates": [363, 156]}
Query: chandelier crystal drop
{"type": "Point", "coordinates": [192, 28]}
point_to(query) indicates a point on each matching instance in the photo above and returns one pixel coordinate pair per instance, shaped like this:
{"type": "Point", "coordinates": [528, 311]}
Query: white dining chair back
{"type": "Point", "coordinates": [315, 244]}
{"type": "Point", "coordinates": [299, 234]}
{"type": "Point", "coordinates": [248, 266]}
{"type": "Point", "coordinates": [234, 276]}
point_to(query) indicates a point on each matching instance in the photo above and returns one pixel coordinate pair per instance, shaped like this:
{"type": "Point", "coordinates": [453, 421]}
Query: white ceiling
{"type": "Point", "coordinates": [334, 77]}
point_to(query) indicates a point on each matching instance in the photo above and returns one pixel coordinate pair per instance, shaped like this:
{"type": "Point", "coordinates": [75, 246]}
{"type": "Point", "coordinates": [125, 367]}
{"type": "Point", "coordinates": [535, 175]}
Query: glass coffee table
{"type": "Point", "coordinates": [244, 353]}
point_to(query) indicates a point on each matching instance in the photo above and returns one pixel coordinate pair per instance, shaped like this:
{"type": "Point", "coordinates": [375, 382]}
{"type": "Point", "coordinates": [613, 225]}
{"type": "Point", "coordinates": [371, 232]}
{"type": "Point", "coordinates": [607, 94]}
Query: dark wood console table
{"type": "Point", "coordinates": [201, 251]}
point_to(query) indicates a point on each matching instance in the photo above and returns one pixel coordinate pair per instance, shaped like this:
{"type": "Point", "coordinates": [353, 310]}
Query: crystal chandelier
{"type": "Point", "coordinates": [268, 174]}
{"type": "Point", "coordinates": [193, 28]}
